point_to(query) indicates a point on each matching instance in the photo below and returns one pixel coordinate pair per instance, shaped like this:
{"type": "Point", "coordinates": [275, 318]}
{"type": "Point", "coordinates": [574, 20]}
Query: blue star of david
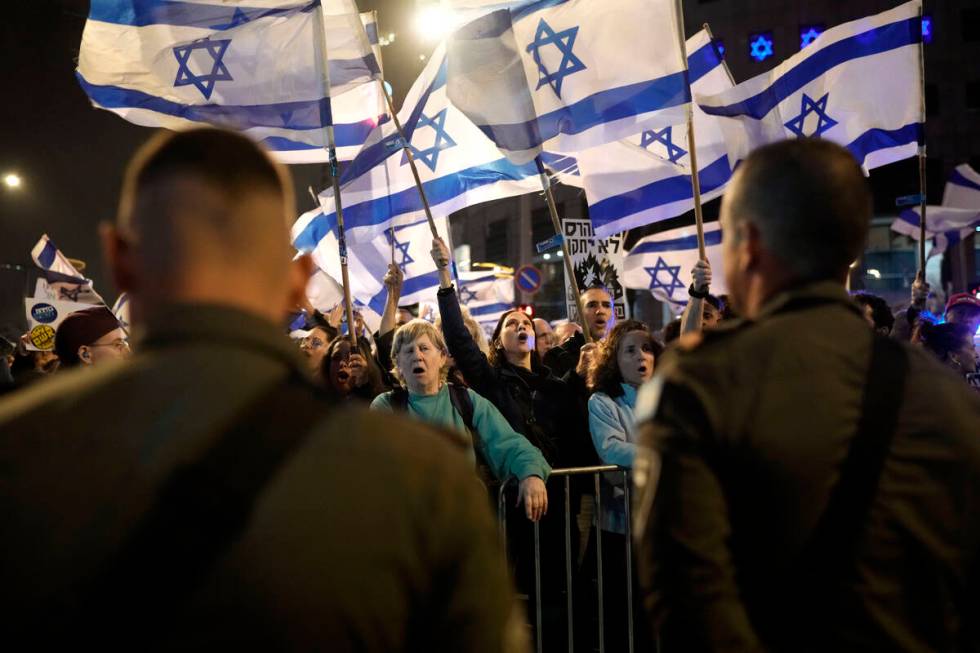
{"type": "Point", "coordinates": [204, 83]}
{"type": "Point", "coordinates": [808, 37]}
{"type": "Point", "coordinates": [674, 151]}
{"type": "Point", "coordinates": [403, 249]}
{"type": "Point", "coordinates": [237, 18]}
{"type": "Point", "coordinates": [761, 48]}
{"type": "Point", "coordinates": [808, 106]}
{"type": "Point", "coordinates": [466, 295]}
{"type": "Point", "coordinates": [430, 156]}
{"type": "Point", "coordinates": [673, 284]}
{"type": "Point", "coordinates": [564, 41]}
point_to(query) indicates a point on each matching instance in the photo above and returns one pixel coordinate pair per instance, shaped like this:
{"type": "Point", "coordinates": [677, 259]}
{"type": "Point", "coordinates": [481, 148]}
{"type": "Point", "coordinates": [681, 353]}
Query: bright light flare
{"type": "Point", "coordinates": [434, 22]}
{"type": "Point", "coordinates": [11, 180]}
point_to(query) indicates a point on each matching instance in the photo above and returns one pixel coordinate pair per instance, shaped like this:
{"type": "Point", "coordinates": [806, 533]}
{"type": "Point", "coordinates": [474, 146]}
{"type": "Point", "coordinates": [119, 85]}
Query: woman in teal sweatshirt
{"type": "Point", "coordinates": [421, 363]}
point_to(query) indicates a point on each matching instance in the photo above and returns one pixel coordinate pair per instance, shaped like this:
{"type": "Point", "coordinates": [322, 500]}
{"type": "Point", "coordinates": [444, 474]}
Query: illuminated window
{"type": "Point", "coordinates": [760, 45]}
{"type": "Point", "coordinates": [926, 28]}
{"type": "Point", "coordinates": [809, 34]}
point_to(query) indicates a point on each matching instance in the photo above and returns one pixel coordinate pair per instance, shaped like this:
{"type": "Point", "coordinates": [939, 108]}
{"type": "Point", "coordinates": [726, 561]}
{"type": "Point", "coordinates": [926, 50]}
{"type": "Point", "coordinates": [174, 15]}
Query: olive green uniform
{"type": "Point", "coordinates": [373, 535]}
{"type": "Point", "coordinates": [749, 428]}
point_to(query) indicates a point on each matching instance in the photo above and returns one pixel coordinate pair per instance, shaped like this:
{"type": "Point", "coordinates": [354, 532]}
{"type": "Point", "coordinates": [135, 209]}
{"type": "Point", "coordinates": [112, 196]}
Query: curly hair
{"type": "Point", "coordinates": [375, 382]}
{"type": "Point", "coordinates": [604, 375]}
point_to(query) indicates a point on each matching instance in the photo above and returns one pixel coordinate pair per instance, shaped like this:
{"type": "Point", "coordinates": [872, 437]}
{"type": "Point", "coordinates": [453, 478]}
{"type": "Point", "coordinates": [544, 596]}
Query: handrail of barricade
{"type": "Point", "coordinates": [596, 471]}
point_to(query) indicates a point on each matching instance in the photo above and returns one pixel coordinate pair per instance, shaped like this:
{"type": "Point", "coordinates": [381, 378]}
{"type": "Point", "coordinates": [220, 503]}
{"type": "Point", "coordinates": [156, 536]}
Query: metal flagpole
{"type": "Point", "coordinates": [569, 269]}
{"type": "Point", "coordinates": [692, 149]}
{"type": "Point", "coordinates": [922, 157]}
{"type": "Point", "coordinates": [411, 160]}
{"type": "Point", "coordinates": [711, 36]}
{"type": "Point", "coordinates": [321, 54]}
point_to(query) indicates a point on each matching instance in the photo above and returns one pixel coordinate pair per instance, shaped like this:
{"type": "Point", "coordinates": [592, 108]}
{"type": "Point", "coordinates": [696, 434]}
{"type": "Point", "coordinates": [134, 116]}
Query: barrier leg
{"type": "Point", "coordinates": [598, 557]}
{"type": "Point", "coordinates": [568, 562]}
{"type": "Point", "coordinates": [629, 562]}
{"type": "Point", "coordinates": [539, 626]}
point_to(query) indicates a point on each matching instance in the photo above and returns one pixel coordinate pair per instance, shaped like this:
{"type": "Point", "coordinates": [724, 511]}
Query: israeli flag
{"type": "Point", "coordinates": [325, 294]}
{"type": "Point", "coordinates": [368, 260]}
{"type": "Point", "coordinates": [457, 164]}
{"type": "Point", "coordinates": [257, 69]}
{"type": "Point", "coordinates": [662, 263]}
{"type": "Point", "coordinates": [62, 281]}
{"type": "Point", "coordinates": [121, 309]}
{"type": "Point", "coordinates": [946, 225]}
{"type": "Point", "coordinates": [566, 75]}
{"type": "Point", "coordinates": [858, 84]}
{"type": "Point", "coordinates": [963, 188]}
{"type": "Point", "coordinates": [647, 177]}
{"type": "Point", "coordinates": [486, 295]}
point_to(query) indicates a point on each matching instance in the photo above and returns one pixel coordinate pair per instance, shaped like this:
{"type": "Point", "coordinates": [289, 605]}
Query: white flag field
{"type": "Point", "coordinates": [858, 84]}
{"type": "Point", "coordinates": [260, 69]}
{"type": "Point", "coordinates": [662, 264]}
{"type": "Point", "coordinates": [566, 75]}
{"type": "Point", "coordinates": [957, 218]}
{"type": "Point", "coordinates": [647, 177]}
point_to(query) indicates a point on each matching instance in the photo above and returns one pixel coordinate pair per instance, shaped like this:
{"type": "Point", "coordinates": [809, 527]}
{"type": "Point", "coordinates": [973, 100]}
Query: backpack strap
{"type": "Point", "coordinates": [199, 512]}
{"type": "Point", "coordinates": [831, 554]}
{"type": "Point", "coordinates": [399, 399]}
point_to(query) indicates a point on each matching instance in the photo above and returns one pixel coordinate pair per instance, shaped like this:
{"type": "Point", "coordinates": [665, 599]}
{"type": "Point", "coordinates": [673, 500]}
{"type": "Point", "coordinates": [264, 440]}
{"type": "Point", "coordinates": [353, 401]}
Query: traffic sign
{"type": "Point", "coordinates": [528, 279]}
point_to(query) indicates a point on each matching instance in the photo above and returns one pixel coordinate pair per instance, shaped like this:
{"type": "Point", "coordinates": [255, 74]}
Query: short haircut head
{"type": "Point", "coordinates": [810, 203]}
{"type": "Point", "coordinates": [409, 333]}
{"type": "Point", "coordinates": [195, 196]}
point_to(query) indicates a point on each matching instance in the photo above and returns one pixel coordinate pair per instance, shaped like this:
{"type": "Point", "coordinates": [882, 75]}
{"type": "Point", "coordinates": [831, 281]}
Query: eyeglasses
{"type": "Point", "coordinates": [312, 343]}
{"type": "Point", "coordinates": [119, 345]}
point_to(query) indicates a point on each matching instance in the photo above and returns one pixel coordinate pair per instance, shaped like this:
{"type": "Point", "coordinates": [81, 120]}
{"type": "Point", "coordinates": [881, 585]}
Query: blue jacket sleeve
{"type": "Point", "coordinates": [608, 432]}
{"type": "Point", "coordinates": [508, 452]}
{"type": "Point", "coordinates": [476, 369]}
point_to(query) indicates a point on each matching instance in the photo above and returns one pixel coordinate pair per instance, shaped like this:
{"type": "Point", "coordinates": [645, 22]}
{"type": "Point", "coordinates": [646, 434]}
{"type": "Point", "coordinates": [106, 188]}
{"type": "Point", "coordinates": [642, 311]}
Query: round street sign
{"type": "Point", "coordinates": [528, 278]}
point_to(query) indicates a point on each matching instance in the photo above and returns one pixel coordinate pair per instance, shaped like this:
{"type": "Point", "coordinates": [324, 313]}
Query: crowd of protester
{"type": "Point", "coordinates": [534, 397]}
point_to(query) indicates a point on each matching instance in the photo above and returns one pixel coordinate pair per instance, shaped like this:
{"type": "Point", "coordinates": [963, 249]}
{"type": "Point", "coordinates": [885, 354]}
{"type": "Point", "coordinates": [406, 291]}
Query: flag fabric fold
{"type": "Point", "coordinates": [565, 75]}
{"type": "Point", "coordinates": [61, 280]}
{"type": "Point", "coordinates": [458, 167]}
{"type": "Point", "coordinates": [257, 69]}
{"type": "Point", "coordinates": [646, 178]}
{"type": "Point", "coordinates": [486, 295]}
{"type": "Point", "coordinates": [662, 264]}
{"type": "Point", "coordinates": [858, 84]}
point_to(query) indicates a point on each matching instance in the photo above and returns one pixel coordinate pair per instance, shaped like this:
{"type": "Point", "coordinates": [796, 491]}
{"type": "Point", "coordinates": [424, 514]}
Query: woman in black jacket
{"type": "Point", "coordinates": [544, 408]}
{"type": "Point", "coordinates": [534, 401]}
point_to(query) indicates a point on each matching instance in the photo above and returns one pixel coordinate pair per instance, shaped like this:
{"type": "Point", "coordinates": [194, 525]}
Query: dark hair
{"type": "Point", "coordinates": [672, 331]}
{"type": "Point", "coordinates": [943, 339]}
{"type": "Point", "coordinates": [810, 203]}
{"type": "Point", "coordinates": [881, 313]}
{"type": "Point", "coordinates": [375, 384]}
{"type": "Point", "coordinates": [597, 286]}
{"type": "Point", "coordinates": [604, 375]}
{"type": "Point", "coordinates": [727, 312]}
{"type": "Point", "coordinates": [497, 356]}
{"type": "Point", "coordinates": [227, 161]}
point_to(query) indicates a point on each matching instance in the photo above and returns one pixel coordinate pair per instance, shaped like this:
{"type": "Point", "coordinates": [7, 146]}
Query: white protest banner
{"type": "Point", "coordinates": [595, 261]}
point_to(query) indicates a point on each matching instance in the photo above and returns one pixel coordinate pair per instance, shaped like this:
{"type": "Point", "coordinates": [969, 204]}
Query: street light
{"type": "Point", "coordinates": [433, 22]}
{"type": "Point", "coordinates": [12, 180]}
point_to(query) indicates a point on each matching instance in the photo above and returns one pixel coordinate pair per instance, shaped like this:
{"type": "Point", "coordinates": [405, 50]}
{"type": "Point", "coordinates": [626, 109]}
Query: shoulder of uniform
{"type": "Point", "coordinates": [698, 340]}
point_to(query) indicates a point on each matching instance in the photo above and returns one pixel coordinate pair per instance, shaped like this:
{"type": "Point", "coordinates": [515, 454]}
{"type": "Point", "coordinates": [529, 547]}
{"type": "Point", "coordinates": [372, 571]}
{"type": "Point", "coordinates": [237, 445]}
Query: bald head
{"type": "Point", "coordinates": [203, 216]}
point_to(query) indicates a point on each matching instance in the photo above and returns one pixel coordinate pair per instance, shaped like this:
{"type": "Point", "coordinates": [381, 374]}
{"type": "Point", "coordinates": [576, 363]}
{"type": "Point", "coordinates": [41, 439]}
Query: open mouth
{"type": "Point", "coordinates": [642, 369]}
{"type": "Point", "coordinates": [343, 376]}
{"type": "Point", "coordinates": [417, 370]}
{"type": "Point", "coordinates": [522, 338]}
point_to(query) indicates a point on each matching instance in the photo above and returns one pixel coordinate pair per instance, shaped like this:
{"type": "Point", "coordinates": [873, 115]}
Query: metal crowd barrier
{"type": "Point", "coordinates": [567, 474]}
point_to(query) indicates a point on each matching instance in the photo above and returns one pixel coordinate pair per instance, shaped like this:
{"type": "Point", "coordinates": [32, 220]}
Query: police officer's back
{"type": "Point", "coordinates": [201, 495]}
{"type": "Point", "coordinates": [805, 486]}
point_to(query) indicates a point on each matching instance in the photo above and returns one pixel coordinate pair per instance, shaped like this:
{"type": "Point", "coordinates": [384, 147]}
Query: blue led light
{"type": "Point", "coordinates": [809, 34]}
{"type": "Point", "coordinates": [719, 48]}
{"type": "Point", "coordinates": [760, 46]}
{"type": "Point", "coordinates": [927, 28]}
